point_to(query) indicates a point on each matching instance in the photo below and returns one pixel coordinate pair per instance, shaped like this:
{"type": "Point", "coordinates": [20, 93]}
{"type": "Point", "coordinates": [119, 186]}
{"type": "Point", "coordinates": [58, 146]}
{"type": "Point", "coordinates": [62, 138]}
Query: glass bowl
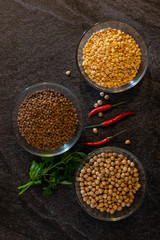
{"type": "Point", "coordinates": [28, 92]}
{"type": "Point", "coordinates": [125, 28]}
{"type": "Point", "coordinates": [126, 211]}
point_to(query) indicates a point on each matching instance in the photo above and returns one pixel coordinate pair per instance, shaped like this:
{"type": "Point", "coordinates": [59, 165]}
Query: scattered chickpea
{"type": "Point", "coordinates": [68, 73]}
{"type": "Point", "coordinates": [127, 142]}
{"type": "Point", "coordinates": [96, 105]}
{"type": "Point", "coordinates": [100, 114]}
{"type": "Point", "coordinates": [99, 102]}
{"type": "Point", "coordinates": [95, 130]}
{"type": "Point", "coordinates": [106, 97]}
{"type": "Point", "coordinates": [102, 94]}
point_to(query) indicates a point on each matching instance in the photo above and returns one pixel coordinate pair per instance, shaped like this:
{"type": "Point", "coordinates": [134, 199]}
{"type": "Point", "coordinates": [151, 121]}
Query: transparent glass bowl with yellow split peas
{"type": "Point", "coordinates": [128, 30]}
{"type": "Point", "coordinates": [28, 92]}
{"type": "Point", "coordinates": [126, 211]}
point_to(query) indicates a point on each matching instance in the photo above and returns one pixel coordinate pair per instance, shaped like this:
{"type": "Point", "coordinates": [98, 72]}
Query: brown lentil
{"type": "Point", "coordinates": [113, 191]}
{"type": "Point", "coordinates": [47, 120]}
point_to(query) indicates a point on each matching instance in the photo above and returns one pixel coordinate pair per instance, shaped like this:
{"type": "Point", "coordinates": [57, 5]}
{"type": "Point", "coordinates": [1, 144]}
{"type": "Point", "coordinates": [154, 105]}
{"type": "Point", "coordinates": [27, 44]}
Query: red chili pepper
{"type": "Point", "coordinates": [103, 108]}
{"type": "Point", "coordinates": [113, 120]}
{"type": "Point", "coordinates": [102, 141]}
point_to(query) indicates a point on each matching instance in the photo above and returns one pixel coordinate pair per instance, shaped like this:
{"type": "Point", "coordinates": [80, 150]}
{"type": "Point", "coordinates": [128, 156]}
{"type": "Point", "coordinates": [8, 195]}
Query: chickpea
{"type": "Point", "coordinates": [83, 171]}
{"type": "Point", "coordinates": [96, 198]}
{"type": "Point", "coordinates": [121, 156]}
{"type": "Point", "coordinates": [81, 184]}
{"type": "Point", "coordinates": [110, 154]}
{"type": "Point", "coordinates": [100, 191]}
{"type": "Point", "coordinates": [68, 73]}
{"type": "Point", "coordinates": [100, 114]}
{"type": "Point", "coordinates": [104, 196]}
{"type": "Point", "coordinates": [112, 173]}
{"type": "Point", "coordinates": [106, 97]}
{"type": "Point", "coordinates": [127, 142]}
{"type": "Point", "coordinates": [116, 185]}
{"type": "Point", "coordinates": [99, 102]}
{"type": "Point", "coordinates": [95, 130]}
{"type": "Point", "coordinates": [111, 168]}
{"type": "Point", "coordinates": [95, 158]}
{"type": "Point", "coordinates": [85, 198]}
{"type": "Point", "coordinates": [82, 192]}
{"type": "Point", "coordinates": [101, 94]}
{"type": "Point", "coordinates": [95, 105]}
{"type": "Point", "coordinates": [95, 164]}
{"type": "Point", "coordinates": [122, 175]}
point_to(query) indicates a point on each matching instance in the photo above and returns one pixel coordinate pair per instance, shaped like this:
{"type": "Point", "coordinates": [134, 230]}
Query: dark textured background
{"type": "Point", "coordinates": [38, 43]}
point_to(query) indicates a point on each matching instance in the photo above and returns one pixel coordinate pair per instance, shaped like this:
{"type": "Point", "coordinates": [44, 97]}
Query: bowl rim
{"type": "Point", "coordinates": [145, 186]}
{"type": "Point", "coordinates": [101, 88]}
{"type": "Point", "coordinates": [27, 89]}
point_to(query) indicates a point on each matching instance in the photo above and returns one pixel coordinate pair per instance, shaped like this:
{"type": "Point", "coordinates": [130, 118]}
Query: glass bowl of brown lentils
{"type": "Point", "coordinates": [112, 56]}
{"type": "Point", "coordinates": [47, 119]}
{"type": "Point", "coordinates": [110, 184]}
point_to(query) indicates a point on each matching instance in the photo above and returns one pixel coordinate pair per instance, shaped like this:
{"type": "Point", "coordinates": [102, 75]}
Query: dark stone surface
{"type": "Point", "coordinates": [37, 43]}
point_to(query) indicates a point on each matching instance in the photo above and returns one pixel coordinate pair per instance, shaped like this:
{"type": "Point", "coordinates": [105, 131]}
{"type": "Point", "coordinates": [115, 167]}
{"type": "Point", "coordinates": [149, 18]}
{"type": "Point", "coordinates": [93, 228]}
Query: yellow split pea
{"type": "Point", "coordinates": [111, 58]}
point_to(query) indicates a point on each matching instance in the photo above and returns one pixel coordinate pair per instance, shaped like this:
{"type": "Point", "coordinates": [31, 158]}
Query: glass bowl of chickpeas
{"type": "Point", "coordinates": [110, 184]}
{"type": "Point", "coordinates": [112, 56]}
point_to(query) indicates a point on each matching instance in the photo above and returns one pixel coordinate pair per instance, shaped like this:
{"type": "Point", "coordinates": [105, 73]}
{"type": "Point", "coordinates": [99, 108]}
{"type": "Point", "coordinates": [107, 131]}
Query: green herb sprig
{"type": "Point", "coordinates": [54, 170]}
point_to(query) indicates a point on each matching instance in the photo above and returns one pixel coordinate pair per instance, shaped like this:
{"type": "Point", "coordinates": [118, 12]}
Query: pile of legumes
{"type": "Point", "coordinates": [47, 119]}
{"type": "Point", "coordinates": [111, 58]}
{"type": "Point", "coordinates": [109, 182]}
